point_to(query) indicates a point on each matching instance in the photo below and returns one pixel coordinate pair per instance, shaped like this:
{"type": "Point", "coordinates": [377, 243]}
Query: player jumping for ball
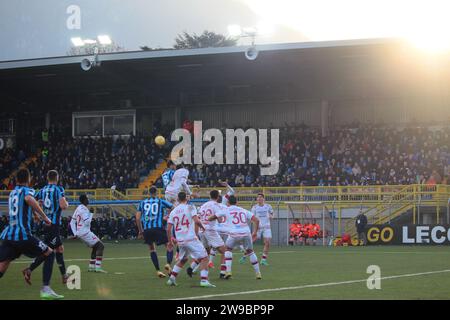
{"type": "Point", "coordinates": [178, 184]}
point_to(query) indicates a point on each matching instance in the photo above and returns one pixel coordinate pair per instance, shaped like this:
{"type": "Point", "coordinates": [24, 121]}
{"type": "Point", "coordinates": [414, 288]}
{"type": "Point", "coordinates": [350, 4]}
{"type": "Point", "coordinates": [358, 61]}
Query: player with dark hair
{"type": "Point", "coordinates": [168, 173]}
{"type": "Point", "coordinates": [150, 222]}
{"type": "Point", "coordinates": [17, 236]}
{"type": "Point", "coordinates": [239, 233]}
{"type": "Point", "coordinates": [210, 237]}
{"type": "Point", "coordinates": [81, 228]}
{"type": "Point", "coordinates": [264, 212]}
{"type": "Point", "coordinates": [53, 200]}
{"type": "Point", "coordinates": [186, 223]}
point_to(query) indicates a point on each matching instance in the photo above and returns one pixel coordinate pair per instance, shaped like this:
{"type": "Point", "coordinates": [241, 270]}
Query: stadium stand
{"type": "Point", "coordinates": [89, 163]}
{"type": "Point", "coordinates": [354, 155]}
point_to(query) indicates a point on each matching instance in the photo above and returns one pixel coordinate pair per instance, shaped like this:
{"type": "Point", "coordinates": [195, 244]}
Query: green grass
{"type": "Point", "coordinates": [133, 277]}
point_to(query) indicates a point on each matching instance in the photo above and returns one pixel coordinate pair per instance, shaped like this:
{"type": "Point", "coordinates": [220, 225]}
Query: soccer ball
{"type": "Point", "coordinates": [160, 141]}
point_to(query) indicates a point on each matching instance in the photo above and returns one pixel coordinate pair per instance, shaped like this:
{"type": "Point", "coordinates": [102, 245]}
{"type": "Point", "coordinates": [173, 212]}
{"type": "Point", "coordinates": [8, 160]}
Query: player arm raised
{"type": "Point", "coordinates": [37, 209]}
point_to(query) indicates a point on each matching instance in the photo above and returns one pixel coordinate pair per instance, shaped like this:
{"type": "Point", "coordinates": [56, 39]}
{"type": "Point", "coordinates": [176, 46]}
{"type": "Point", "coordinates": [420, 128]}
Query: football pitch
{"type": "Point", "coordinates": [293, 273]}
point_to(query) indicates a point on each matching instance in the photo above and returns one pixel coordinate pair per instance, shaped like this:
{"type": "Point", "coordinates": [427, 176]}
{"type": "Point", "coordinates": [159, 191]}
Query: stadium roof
{"type": "Point", "coordinates": [312, 70]}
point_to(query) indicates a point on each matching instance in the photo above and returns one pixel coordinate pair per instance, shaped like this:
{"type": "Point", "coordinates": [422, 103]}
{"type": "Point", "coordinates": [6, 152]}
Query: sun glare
{"type": "Point", "coordinates": [423, 23]}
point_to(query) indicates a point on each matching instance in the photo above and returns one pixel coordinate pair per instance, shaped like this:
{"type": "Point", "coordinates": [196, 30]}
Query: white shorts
{"type": "Point", "coordinates": [89, 238]}
{"type": "Point", "coordinates": [193, 248]}
{"type": "Point", "coordinates": [266, 233]}
{"type": "Point", "coordinates": [172, 198]}
{"type": "Point", "coordinates": [234, 241]}
{"type": "Point", "coordinates": [211, 238]}
{"type": "Point", "coordinates": [224, 236]}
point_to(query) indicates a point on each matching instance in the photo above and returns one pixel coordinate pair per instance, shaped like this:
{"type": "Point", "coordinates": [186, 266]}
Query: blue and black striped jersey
{"type": "Point", "coordinates": [152, 210]}
{"type": "Point", "coordinates": [167, 177]}
{"type": "Point", "coordinates": [50, 195]}
{"type": "Point", "coordinates": [20, 215]}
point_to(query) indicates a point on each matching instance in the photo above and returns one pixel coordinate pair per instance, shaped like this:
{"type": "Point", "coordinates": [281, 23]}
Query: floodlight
{"type": "Point", "coordinates": [104, 39]}
{"type": "Point", "coordinates": [234, 30]}
{"type": "Point", "coordinates": [77, 42]}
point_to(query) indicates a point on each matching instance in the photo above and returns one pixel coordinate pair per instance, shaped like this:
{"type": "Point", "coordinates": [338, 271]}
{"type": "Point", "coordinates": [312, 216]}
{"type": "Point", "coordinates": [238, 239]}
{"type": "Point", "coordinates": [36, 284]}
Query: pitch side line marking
{"type": "Point", "coordinates": [126, 258]}
{"type": "Point", "coordinates": [275, 252]}
{"type": "Point", "coordinates": [309, 286]}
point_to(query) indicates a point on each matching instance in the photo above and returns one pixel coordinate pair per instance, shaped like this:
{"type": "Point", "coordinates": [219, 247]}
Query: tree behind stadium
{"type": "Point", "coordinates": [205, 40]}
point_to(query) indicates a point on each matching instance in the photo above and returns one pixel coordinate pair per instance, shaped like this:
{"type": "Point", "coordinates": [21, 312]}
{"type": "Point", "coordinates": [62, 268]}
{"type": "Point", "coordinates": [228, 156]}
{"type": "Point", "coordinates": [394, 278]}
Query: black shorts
{"type": "Point", "coordinates": [11, 250]}
{"type": "Point", "coordinates": [52, 236]}
{"type": "Point", "coordinates": [155, 235]}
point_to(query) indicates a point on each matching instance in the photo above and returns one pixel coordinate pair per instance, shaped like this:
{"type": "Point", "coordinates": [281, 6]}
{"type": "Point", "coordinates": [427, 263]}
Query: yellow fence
{"type": "Point", "coordinates": [380, 203]}
{"type": "Point", "coordinates": [369, 195]}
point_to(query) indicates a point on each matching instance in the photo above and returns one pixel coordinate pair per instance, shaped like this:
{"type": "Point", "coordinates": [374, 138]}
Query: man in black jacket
{"type": "Point", "coordinates": [360, 224]}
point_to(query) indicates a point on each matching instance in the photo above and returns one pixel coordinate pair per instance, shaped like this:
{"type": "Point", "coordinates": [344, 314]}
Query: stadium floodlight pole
{"type": "Point", "coordinates": [103, 40]}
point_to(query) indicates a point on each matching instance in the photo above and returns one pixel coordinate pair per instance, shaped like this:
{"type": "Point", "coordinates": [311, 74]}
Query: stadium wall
{"type": "Point", "coordinates": [400, 110]}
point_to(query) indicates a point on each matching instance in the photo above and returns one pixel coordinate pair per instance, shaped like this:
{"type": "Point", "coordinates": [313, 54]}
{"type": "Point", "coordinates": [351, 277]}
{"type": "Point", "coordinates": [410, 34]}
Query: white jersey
{"type": "Point", "coordinates": [179, 182]}
{"type": "Point", "coordinates": [237, 220]}
{"type": "Point", "coordinates": [222, 222]}
{"type": "Point", "coordinates": [183, 223]}
{"type": "Point", "coordinates": [206, 210]}
{"type": "Point", "coordinates": [263, 213]}
{"type": "Point", "coordinates": [81, 221]}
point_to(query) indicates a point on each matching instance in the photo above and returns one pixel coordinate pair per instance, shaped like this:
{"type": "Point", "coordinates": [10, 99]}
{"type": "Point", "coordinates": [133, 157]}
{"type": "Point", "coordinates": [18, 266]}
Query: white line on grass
{"type": "Point", "coordinates": [124, 258]}
{"type": "Point", "coordinates": [275, 252]}
{"type": "Point", "coordinates": [309, 286]}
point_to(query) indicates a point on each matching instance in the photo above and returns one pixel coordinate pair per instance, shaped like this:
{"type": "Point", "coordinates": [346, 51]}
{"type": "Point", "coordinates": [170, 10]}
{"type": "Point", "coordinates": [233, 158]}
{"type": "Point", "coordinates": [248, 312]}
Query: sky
{"type": "Point", "coordinates": [36, 29]}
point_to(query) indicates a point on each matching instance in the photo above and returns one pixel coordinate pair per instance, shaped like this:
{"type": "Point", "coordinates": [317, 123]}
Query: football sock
{"type": "Point", "coordinates": [37, 262]}
{"type": "Point", "coordinates": [155, 261]}
{"type": "Point", "coordinates": [92, 261]}
{"type": "Point", "coordinates": [98, 262]}
{"type": "Point", "coordinates": [169, 256]}
{"type": "Point", "coordinates": [176, 269]}
{"type": "Point", "coordinates": [228, 260]}
{"type": "Point", "coordinates": [204, 275]}
{"type": "Point", "coordinates": [254, 262]}
{"type": "Point", "coordinates": [1, 274]}
{"type": "Point", "coordinates": [212, 255]}
{"type": "Point", "coordinates": [264, 256]}
{"type": "Point", "coordinates": [194, 264]}
{"type": "Point", "coordinates": [60, 261]}
{"type": "Point", "coordinates": [223, 268]}
{"type": "Point", "coordinates": [47, 269]}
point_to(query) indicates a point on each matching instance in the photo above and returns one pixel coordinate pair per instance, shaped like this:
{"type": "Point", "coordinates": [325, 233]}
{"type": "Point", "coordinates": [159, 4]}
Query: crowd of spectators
{"type": "Point", "coordinates": [89, 163]}
{"type": "Point", "coordinates": [363, 155]}
{"type": "Point", "coordinates": [355, 155]}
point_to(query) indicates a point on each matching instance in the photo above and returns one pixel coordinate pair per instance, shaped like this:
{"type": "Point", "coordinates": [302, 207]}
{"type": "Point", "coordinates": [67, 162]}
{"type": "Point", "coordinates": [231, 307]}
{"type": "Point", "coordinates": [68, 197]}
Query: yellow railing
{"type": "Point", "coordinates": [403, 201]}
{"type": "Point", "coordinates": [375, 197]}
{"type": "Point", "coordinates": [363, 194]}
